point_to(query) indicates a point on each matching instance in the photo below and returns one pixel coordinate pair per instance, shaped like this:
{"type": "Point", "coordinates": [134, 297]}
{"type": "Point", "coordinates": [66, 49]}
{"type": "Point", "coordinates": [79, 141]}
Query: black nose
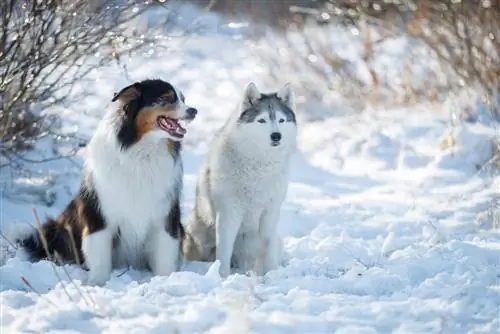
{"type": "Point", "coordinates": [191, 112]}
{"type": "Point", "coordinates": [275, 136]}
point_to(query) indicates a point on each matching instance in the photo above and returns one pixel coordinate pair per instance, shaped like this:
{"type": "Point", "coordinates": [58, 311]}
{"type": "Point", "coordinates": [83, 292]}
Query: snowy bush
{"type": "Point", "coordinates": [386, 52]}
{"type": "Point", "coordinates": [46, 47]}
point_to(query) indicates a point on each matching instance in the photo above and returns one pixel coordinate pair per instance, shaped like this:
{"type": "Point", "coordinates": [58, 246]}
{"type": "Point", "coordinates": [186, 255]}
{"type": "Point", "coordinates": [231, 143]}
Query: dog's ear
{"type": "Point", "coordinates": [251, 96]}
{"type": "Point", "coordinates": [128, 93]}
{"type": "Point", "coordinates": [287, 95]}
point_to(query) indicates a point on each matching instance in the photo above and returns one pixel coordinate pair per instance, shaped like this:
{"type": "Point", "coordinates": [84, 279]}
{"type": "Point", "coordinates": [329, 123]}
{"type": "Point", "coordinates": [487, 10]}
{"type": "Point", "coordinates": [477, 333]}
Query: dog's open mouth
{"type": "Point", "coordinates": [171, 126]}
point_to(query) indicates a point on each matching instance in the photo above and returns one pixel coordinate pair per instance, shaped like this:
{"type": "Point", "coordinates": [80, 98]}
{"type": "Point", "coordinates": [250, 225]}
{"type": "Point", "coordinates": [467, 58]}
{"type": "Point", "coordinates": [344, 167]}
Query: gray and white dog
{"type": "Point", "coordinates": [242, 185]}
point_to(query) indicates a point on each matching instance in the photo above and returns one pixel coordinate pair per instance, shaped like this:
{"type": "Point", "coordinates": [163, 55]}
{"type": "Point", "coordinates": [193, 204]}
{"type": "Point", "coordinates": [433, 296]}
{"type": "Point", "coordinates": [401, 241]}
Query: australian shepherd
{"type": "Point", "coordinates": [127, 210]}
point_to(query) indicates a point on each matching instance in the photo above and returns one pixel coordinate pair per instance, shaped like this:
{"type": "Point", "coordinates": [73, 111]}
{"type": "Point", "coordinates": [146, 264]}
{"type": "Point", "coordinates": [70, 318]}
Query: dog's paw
{"type": "Point", "coordinates": [97, 277]}
{"type": "Point", "coordinates": [224, 271]}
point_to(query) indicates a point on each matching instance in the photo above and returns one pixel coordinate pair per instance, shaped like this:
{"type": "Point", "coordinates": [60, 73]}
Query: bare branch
{"type": "Point", "coordinates": [48, 46]}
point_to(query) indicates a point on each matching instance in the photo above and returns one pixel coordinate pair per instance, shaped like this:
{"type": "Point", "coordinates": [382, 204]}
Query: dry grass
{"type": "Point", "coordinates": [56, 258]}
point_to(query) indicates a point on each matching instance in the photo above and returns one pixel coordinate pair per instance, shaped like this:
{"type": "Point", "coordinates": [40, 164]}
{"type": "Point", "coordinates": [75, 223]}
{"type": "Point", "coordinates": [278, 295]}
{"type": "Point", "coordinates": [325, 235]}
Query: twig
{"type": "Point", "coordinates": [122, 273]}
{"type": "Point", "coordinates": [73, 244]}
{"type": "Point", "coordinates": [25, 281]}
{"type": "Point", "coordinates": [41, 234]}
{"type": "Point", "coordinates": [39, 161]}
{"type": "Point", "coordinates": [8, 241]}
{"type": "Point", "coordinates": [49, 257]}
{"type": "Point", "coordinates": [77, 257]}
{"type": "Point", "coordinates": [58, 257]}
{"type": "Point", "coordinates": [357, 259]}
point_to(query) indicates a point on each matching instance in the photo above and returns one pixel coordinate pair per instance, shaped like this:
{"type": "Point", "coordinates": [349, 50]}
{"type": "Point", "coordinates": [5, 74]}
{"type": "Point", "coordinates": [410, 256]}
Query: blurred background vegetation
{"type": "Point", "coordinates": [42, 38]}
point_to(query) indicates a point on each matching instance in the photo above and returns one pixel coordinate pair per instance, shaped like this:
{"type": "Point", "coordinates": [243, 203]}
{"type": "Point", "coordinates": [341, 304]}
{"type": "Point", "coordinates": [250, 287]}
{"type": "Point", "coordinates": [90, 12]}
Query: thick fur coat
{"type": "Point", "coordinates": [242, 185]}
{"type": "Point", "coordinates": [127, 211]}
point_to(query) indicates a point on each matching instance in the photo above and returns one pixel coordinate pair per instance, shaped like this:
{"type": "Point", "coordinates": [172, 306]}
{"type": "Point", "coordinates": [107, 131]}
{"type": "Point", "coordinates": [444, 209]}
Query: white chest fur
{"type": "Point", "coordinates": [254, 178]}
{"type": "Point", "coordinates": [135, 188]}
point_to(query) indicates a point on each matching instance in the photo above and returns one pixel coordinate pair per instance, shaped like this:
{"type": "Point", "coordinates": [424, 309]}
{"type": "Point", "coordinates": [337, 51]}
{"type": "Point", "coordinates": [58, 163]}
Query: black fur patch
{"type": "Point", "coordinates": [89, 211]}
{"type": "Point", "coordinates": [173, 224]}
{"type": "Point", "coordinates": [175, 148]}
{"type": "Point", "coordinates": [157, 91]}
{"type": "Point", "coordinates": [58, 240]}
{"type": "Point", "coordinates": [81, 215]}
{"type": "Point", "coordinates": [127, 134]}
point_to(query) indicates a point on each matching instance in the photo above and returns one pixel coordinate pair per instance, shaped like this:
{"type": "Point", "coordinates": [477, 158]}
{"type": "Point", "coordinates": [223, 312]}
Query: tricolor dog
{"type": "Point", "coordinates": [127, 210]}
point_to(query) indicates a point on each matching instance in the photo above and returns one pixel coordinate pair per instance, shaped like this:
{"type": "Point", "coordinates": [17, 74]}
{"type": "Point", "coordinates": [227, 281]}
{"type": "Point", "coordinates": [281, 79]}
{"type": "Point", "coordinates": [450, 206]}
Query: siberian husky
{"type": "Point", "coordinates": [242, 185]}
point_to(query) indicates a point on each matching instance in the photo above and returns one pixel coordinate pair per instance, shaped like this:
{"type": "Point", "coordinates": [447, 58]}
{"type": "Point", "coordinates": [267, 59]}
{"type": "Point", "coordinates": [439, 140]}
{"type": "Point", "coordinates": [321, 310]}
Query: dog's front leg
{"type": "Point", "coordinates": [227, 225]}
{"type": "Point", "coordinates": [97, 249]}
{"type": "Point", "coordinates": [164, 244]}
{"type": "Point", "coordinates": [163, 252]}
{"type": "Point", "coordinates": [271, 242]}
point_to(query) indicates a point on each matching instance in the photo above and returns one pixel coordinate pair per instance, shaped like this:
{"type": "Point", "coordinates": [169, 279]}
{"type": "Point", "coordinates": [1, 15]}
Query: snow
{"type": "Point", "coordinates": [382, 222]}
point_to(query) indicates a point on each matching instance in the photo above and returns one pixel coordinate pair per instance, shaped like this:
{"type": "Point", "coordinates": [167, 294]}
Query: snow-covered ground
{"type": "Point", "coordinates": [386, 229]}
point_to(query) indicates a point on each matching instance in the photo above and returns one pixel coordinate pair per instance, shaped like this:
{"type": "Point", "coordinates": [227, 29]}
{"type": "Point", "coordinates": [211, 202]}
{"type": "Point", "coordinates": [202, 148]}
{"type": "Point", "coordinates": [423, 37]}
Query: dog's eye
{"type": "Point", "coordinates": [281, 120]}
{"type": "Point", "coordinates": [162, 101]}
{"type": "Point", "coordinates": [261, 120]}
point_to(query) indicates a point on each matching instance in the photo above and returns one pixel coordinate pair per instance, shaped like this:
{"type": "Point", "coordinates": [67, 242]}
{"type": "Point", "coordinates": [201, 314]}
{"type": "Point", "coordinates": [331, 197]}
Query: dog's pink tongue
{"type": "Point", "coordinates": [173, 125]}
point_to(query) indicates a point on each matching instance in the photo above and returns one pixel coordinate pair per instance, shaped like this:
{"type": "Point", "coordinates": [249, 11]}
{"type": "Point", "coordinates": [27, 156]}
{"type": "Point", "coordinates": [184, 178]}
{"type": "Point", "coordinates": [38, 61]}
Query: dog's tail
{"type": "Point", "coordinates": [189, 248]}
{"type": "Point", "coordinates": [196, 245]}
{"type": "Point", "coordinates": [52, 238]}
